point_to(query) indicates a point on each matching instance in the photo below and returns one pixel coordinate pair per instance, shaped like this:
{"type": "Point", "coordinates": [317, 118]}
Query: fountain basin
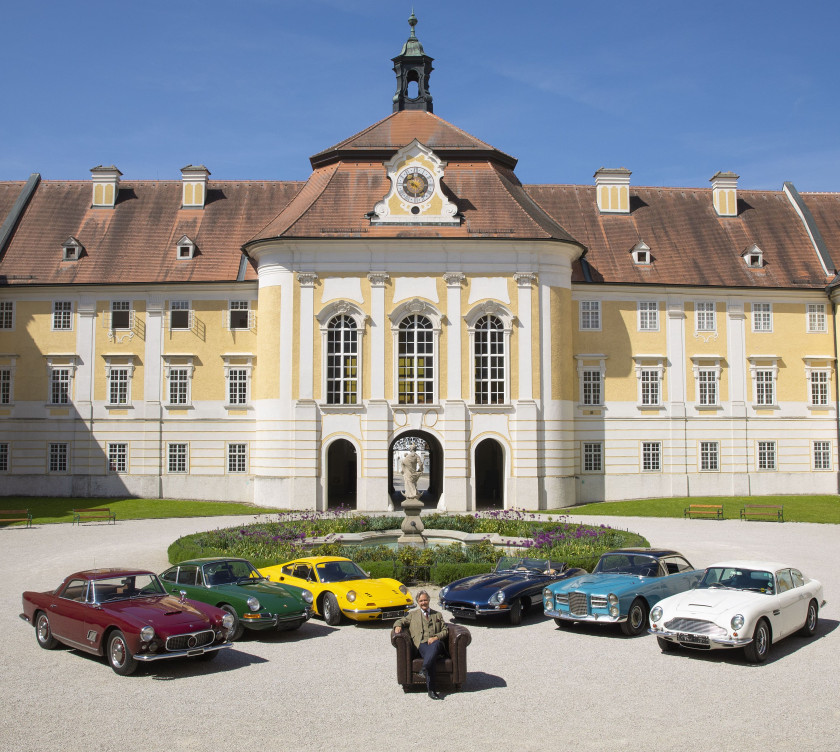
{"type": "Point", "coordinates": [389, 538]}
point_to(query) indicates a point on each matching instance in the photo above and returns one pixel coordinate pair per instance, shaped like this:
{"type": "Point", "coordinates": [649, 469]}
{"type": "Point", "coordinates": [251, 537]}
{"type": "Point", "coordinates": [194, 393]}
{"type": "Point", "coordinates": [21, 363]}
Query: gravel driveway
{"type": "Point", "coordinates": [532, 687]}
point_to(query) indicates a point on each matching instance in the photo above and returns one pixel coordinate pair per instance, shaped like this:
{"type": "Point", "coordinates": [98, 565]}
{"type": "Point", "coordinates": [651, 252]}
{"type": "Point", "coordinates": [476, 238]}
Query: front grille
{"type": "Point", "coordinates": [562, 599]}
{"type": "Point", "coordinates": [577, 604]}
{"type": "Point", "coordinates": [190, 641]}
{"type": "Point", "coordinates": [598, 601]}
{"type": "Point", "coordinates": [697, 626]}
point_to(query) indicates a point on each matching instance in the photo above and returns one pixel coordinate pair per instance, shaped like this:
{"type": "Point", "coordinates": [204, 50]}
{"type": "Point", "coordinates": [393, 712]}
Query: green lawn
{"type": "Point", "coordinates": [61, 510]}
{"type": "Point", "coordinates": [797, 508]}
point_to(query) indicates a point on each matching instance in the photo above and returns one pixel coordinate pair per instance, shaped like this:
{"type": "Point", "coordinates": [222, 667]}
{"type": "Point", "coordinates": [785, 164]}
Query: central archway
{"type": "Point", "coordinates": [430, 485]}
{"type": "Point", "coordinates": [488, 470]}
{"type": "Point", "coordinates": [341, 475]}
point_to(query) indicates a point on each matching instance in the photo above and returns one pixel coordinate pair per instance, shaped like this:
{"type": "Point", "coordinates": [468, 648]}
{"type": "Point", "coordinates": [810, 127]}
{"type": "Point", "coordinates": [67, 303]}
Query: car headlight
{"type": "Point", "coordinates": [351, 595]}
{"type": "Point", "coordinates": [497, 598]}
{"type": "Point", "coordinates": [253, 604]}
{"type": "Point", "coordinates": [147, 634]}
{"type": "Point", "coordinates": [444, 592]}
{"type": "Point", "coordinates": [737, 621]}
{"type": "Point", "coordinates": [548, 601]}
{"type": "Point", "coordinates": [307, 596]}
{"type": "Point", "coordinates": [403, 589]}
{"type": "Point", "coordinates": [656, 613]}
{"type": "Point", "coordinates": [228, 622]}
{"type": "Point", "coordinates": [612, 599]}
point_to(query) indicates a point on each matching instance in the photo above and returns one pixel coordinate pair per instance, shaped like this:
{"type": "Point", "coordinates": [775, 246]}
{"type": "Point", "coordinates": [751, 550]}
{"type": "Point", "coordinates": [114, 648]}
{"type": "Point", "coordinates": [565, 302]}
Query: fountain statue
{"type": "Point", "coordinates": [411, 468]}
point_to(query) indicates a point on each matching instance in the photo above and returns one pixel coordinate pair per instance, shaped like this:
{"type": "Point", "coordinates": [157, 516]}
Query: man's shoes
{"type": "Point", "coordinates": [434, 695]}
{"type": "Point", "coordinates": [422, 674]}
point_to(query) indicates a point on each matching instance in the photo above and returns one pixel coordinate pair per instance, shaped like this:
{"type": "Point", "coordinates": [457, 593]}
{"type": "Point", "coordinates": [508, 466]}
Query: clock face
{"type": "Point", "coordinates": [415, 185]}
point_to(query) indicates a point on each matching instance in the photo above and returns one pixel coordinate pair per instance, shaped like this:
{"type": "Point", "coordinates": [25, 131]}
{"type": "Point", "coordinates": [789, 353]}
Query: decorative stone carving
{"type": "Point", "coordinates": [307, 279]}
{"type": "Point", "coordinates": [525, 279]}
{"type": "Point", "coordinates": [378, 279]}
{"type": "Point", "coordinates": [454, 279]}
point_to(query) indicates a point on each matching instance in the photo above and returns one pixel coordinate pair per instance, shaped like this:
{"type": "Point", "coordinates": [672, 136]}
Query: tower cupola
{"type": "Point", "coordinates": [412, 67]}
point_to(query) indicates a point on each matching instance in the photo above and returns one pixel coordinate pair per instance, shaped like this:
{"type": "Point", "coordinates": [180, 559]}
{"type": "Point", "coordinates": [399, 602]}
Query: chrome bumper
{"type": "Point", "coordinates": [714, 642]}
{"type": "Point", "coordinates": [474, 611]}
{"type": "Point", "coordinates": [599, 618]}
{"type": "Point", "coordinates": [189, 653]}
{"type": "Point", "coordinates": [258, 621]}
{"type": "Point", "coordinates": [365, 611]}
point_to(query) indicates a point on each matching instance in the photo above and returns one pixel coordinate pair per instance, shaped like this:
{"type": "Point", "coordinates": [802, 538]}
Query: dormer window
{"type": "Point", "coordinates": [641, 253]}
{"type": "Point", "coordinates": [185, 249]}
{"type": "Point", "coordinates": [72, 249]}
{"type": "Point", "coordinates": [753, 257]}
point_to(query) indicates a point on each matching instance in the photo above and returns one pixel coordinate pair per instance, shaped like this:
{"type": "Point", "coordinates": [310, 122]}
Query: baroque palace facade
{"type": "Point", "coordinates": [540, 345]}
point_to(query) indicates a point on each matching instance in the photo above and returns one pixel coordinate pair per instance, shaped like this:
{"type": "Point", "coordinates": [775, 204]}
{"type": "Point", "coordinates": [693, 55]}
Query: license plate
{"type": "Point", "coordinates": [392, 614]}
{"type": "Point", "coordinates": [463, 613]}
{"type": "Point", "coordinates": [693, 639]}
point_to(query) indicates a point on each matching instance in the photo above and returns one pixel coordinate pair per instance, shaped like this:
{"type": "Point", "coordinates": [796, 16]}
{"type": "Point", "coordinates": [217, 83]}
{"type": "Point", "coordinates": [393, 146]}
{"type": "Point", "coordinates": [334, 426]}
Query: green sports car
{"type": "Point", "coordinates": [235, 586]}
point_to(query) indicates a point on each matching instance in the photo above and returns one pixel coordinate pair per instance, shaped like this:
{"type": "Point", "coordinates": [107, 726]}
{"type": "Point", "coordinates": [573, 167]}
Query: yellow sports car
{"type": "Point", "coordinates": [342, 588]}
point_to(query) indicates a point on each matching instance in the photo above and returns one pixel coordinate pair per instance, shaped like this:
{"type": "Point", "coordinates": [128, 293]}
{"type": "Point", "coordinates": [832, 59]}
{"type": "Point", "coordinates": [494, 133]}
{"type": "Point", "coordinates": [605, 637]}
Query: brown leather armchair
{"type": "Point", "coordinates": [451, 668]}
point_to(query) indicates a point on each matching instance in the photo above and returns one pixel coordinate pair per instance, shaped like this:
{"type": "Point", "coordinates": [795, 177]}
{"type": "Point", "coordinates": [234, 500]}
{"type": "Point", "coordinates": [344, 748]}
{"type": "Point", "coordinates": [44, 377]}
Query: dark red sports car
{"type": "Point", "coordinates": [127, 616]}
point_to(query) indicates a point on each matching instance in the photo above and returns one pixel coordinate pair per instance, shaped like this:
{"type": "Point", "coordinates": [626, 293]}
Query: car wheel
{"type": "Point", "coordinates": [666, 646]}
{"type": "Point", "coordinates": [516, 612]}
{"type": "Point", "coordinates": [43, 632]}
{"type": "Point", "coordinates": [330, 610]}
{"type": "Point", "coordinates": [809, 629]}
{"type": "Point", "coordinates": [757, 650]}
{"type": "Point", "coordinates": [636, 618]}
{"type": "Point", "coordinates": [119, 656]}
{"type": "Point", "coordinates": [238, 629]}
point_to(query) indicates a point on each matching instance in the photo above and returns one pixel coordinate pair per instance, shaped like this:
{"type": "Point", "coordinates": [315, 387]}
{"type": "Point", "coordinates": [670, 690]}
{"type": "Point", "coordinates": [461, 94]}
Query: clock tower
{"type": "Point", "coordinates": [412, 67]}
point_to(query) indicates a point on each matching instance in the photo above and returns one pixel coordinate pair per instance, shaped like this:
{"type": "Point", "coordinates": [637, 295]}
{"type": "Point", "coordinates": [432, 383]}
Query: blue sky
{"type": "Point", "coordinates": [673, 90]}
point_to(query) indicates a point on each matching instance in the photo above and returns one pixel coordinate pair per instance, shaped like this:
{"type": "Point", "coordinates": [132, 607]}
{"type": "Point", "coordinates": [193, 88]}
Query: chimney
{"type": "Point", "coordinates": [725, 193]}
{"type": "Point", "coordinates": [106, 183]}
{"type": "Point", "coordinates": [612, 187]}
{"type": "Point", "coordinates": [195, 186]}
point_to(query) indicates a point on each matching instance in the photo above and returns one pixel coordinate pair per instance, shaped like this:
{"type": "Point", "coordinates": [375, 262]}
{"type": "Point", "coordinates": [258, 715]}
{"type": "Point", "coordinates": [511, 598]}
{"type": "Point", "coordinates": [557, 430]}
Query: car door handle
{"type": "Point", "coordinates": [776, 611]}
{"type": "Point", "coordinates": [53, 605]}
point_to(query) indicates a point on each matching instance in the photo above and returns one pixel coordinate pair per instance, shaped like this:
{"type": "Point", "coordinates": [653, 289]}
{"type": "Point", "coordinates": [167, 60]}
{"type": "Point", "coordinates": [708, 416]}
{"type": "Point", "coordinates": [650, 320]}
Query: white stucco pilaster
{"type": "Point", "coordinates": [736, 354]}
{"type": "Point", "coordinates": [307, 281]}
{"type": "Point", "coordinates": [85, 350]}
{"type": "Point", "coordinates": [152, 381]}
{"type": "Point", "coordinates": [525, 282]}
{"type": "Point", "coordinates": [454, 283]}
{"type": "Point", "coordinates": [377, 280]}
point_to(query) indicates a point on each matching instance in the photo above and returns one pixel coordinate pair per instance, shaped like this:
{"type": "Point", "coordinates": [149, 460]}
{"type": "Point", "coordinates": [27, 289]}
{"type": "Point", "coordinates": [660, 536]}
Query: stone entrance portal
{"type": "Point", "coordinates": [430, 484]}
{"type": "Point", "coordinates": [488, 475]}
{"type": "Point", "coordinates": [341, 475]}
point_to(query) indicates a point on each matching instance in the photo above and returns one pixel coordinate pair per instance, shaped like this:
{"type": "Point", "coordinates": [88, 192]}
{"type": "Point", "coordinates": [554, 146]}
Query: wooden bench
{"type": "Point", "coordinates": [16, 515]}
{"type": "Point", "coordinates": [704, 510]}
{"type": "Point", "coordinates": [770, 512]}
{"type": "Point", "coordinates": [89, 515]}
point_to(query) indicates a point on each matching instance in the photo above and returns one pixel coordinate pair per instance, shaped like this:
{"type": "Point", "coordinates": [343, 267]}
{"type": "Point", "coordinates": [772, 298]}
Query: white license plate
{"type": "Point", "coordinates": [693, 639]}
{"type": "Point", "coordinates": [392, 614]}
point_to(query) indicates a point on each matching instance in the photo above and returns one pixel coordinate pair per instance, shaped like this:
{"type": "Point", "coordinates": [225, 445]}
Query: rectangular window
{"type": "Point", "coordinates": [58, 458]}
{"type": "Point", "coordinates": [4, 458]}
{"type": "Point", "coordinates": [118, 379]}
{"type": "Point", "coordinates": [177, 458]}
{"type": "Point", "coordinates": [819, 387]}
{"type": "Point", "coordinates": [239, 314]}
{"type": "Point", "coordinates": [5, 386]}
{"type": "Point", "coordinates": [59, 386]}
{"type": "Point", "coordinates": [765, 393]}
{"type": "Point", "coordinates": [822, 455]}
{"type": "Point", "coordinates": [120, 314]}
{"type": "Point", "coordinates": [7, 314]}
{"type": "Point", "coordinates": [179, 386]}
{"type": "Point", "coordinates": [648, 316]}
{"type": "Point", "coordinates": [650, 386]}
{"type": "Point", "coordinates": [237, 386]}
{"type": "Point", "coordinates": [117, 458]}
{"type": "Point", "coordinates": [816, 317]}
{"type": "Point", "coordinates": [766, 455]}
{"type": "Point", "coordinates": [651, 456]}
{"type": "Point", "coordinates": [237, 459]}
{"type": "Point", "coordinates": [592, 386]}
{"type": "Point", "coordinates": [762, 317]}
{"type": "Point", "coordinates": [707, 393]}
{"type": "Point", "coordinates": [590, 314]}
{"type": "Point", "coordinates": [62, 315]}
{"type": "Point", "coordinates": [705, 321]}
{"type": "Point", "coordinates": [179, 314]}
{"type": "Point", "coordinates": [593, 457]}
{"type": "Point", "coordinates": [709, 452]}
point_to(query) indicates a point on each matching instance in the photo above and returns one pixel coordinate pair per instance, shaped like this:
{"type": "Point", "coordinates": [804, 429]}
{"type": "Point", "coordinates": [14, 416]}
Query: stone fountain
{"type": "Point", "coordinates": [411, 468]}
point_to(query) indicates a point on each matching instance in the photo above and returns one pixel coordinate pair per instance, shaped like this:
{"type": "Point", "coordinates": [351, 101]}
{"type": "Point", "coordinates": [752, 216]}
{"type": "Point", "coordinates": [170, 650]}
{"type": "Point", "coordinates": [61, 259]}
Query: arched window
{"type": "Point", "coordinates": [342, 361]}
{"type": "Point", "coordinates": [489, 361]}
{"type": "Point", "coordinates": [416, 363]}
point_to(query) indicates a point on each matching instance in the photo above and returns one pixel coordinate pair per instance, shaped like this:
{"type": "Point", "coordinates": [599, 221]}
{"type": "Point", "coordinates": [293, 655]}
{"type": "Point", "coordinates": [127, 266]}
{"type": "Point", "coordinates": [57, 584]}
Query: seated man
{"type": "Point", "coordinates": [428, 631]}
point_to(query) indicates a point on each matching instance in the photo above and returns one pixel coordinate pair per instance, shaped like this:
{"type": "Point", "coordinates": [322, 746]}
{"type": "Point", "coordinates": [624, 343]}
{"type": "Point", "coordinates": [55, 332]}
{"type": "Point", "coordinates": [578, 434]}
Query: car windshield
{"type": "Point", "coordinates": [628, 563]}
{"type": "Point", "coordinates": [530, 566]}
{"type": "Point", "coordinates": [126, 586]}
{"type": "Point", "coordinates": [230, 572]}
{"type": "Point", "coordinates": [339, 571]}
{"type": "Point", "coordinates": [738, 578]}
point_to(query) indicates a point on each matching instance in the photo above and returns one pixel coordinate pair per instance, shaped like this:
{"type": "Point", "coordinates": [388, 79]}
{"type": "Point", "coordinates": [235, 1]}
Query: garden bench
{"type": "Point", "coordinates": [16, 515]}
{"type": "Point", "coordinates": [770, 512]}
{"type": "Point", "coordinates": [88, 515]}
{"type": "Point", "coordinates": [704, 510]}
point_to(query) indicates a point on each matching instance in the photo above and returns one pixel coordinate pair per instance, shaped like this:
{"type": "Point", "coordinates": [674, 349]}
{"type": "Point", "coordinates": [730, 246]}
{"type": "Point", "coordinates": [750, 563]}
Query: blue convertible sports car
{"type": "Point", "coordinates": [515, 584]}
{"type": "Point", "coordinates": [622, 588]}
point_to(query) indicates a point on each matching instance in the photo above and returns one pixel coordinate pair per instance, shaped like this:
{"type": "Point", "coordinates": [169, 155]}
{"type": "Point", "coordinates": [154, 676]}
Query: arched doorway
{"type": "Point", "coordinates": [341, 475]}
{"type": "Point", "coordinates": [430, 485]}
{"type": "Point", "coordinates": [489, 474]}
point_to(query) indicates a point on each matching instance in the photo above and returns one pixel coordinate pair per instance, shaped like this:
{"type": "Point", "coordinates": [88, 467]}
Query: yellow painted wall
{"type": "Point", "coordinates": [564, 325]}
{"type": "Point", "coordinates": [122, 344]}
{"type": "Point", "coordinates": [266, 374]}
{"type": "Point", "coordinates": [706, 343]}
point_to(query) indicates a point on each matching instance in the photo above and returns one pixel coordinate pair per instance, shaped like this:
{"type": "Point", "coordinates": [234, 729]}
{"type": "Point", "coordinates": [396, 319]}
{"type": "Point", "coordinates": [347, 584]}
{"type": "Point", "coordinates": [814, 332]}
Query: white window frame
{"type": "Point", "coordinates": [416, 307]}
{"type": "Point", "coordinates": [592, 451]}
{"type": "Point", "coordinates": [650, 370]}
{"type": "Point", "coordinates": [238, 306]}
{"type": "Point", "coordinates": [182, 305]}
{"type": "Point", "coordinates": [56, 364]}
{"type": "Point", "coordinates": [7, 315]}
{"type": "Point", "coordinates": [7, 384]}
{"type": "Point", "coordinates": [117, 450]}
{"type": "Point", "coordinates": [5, 457]}
{"type": "Point", "coordinates": [238, 362]}
{"type": "Point", "coordinates": [815, 318]}
{"type": "Point", "coordinates": [58, 456]}
{"type": "Point", "coordinates": [505, 317]}
{"type": "Point", "coordinates": [59, 315]}
{"type": "Point", "coordinates": [125, 306]}
{"type": "Point", "coordinates": [821, 455]}
{"type": "Point", "coordinates": [703, 365]}
{"type": "Point", "coordinates": [232, 454]}
{"type": "Point", "coordinates": [71, 249]}
{"type": "Point", "coordinates": [651, 456]}
{"type": "Point", "coordinates": [113, 365]}
{"type": "Point", "coordinates": [172, 458]}
{"type": "Point", "coordinates": [818, 379]}
{"type": "Point", "coordinates": [703, 309]}
{"type": "Point", "coordinates": [586, 370]}
{"type": "Point", "coordinates": [645, 309]}
{"type": "Point", "coordinates": [764, 364]}
{"type": "Point", "coordinates": [711, 451]}
{"type": "Point", "coordinates": [589, 313]}
{"type": "Point", "coordinates": [753, 257]}
{"type": "Point", "coordinates": [762, 317]}
{"type": "Point", "coordinates": [766, 454]}
{"type": "Point", "coordinates": [175, 363]}
{"type": "Point", "coordinates": [184, 249]}
{"type": "Point", "coordinates": [325, 317]}
{"type": "Point", "coordinates": [641, 254]}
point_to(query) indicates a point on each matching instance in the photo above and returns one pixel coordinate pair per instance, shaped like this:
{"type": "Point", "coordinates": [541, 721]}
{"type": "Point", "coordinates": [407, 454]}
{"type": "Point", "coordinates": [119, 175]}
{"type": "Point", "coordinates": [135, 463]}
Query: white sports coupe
{"type": "Point", "coordinates": [739, 604]}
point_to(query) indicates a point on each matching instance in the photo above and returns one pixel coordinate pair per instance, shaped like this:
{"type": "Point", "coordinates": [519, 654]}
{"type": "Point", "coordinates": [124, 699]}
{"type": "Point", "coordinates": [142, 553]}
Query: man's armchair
{"type": "Point", "coordinates": [451, 667]}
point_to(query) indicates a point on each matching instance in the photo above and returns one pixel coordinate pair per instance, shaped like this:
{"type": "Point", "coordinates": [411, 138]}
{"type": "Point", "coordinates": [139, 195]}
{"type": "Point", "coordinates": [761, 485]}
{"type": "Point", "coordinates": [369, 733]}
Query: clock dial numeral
{"type": "Point", "coordinates": [415, 185]}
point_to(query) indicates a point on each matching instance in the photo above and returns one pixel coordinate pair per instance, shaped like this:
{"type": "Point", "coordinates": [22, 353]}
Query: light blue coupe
{"type": "Point", "coordinates": [622, 588]}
